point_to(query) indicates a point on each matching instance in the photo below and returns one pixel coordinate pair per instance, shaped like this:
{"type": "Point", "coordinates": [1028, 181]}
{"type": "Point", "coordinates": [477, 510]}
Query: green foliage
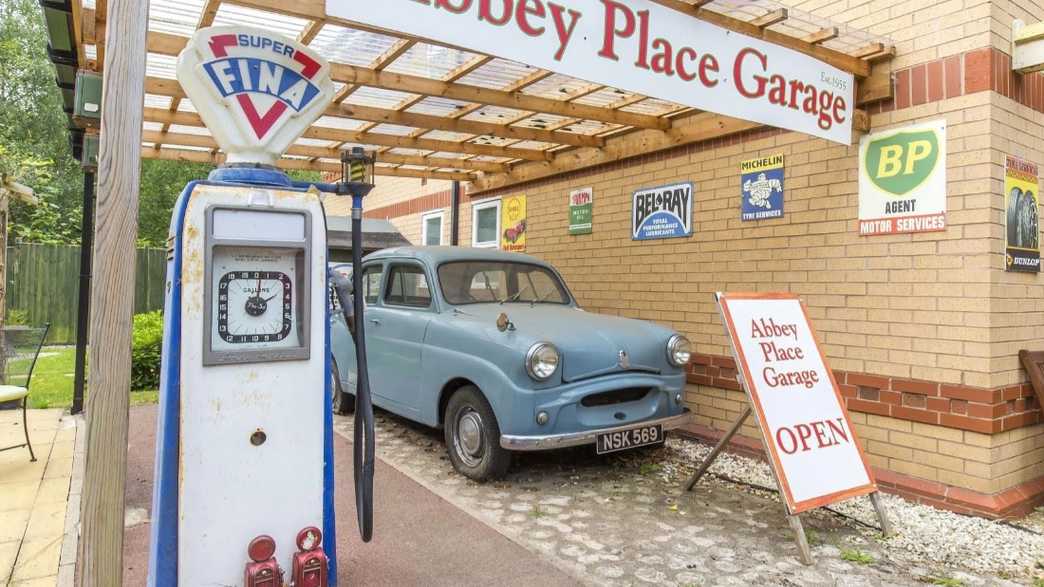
{"type": "Point", "coordinates": [146, 347]}
{"type": "Point", "coordinates": [161, 183]}
{"type": "Point", "coordinates": [16, 317]}
{"type": "Point", "coordinates": [854, 555]}
{"type": "Point", "coordinates": [812, 537]}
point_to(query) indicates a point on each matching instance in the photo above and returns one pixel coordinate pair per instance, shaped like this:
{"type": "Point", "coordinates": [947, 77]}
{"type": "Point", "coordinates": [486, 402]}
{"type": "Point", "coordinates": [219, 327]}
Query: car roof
{"type": "Point", "coordinates": [434, 256]}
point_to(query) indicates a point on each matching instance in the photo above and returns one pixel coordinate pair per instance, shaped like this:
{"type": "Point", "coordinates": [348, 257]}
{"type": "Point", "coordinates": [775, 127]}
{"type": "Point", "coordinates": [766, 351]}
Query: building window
{"type": "Point", "coordinates": [485, 224]}
{"type": "Point", "coordinates": [431, 229]}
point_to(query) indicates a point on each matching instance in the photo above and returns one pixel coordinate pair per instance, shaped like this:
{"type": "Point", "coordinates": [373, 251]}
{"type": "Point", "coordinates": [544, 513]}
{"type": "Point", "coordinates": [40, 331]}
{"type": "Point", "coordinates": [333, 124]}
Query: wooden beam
{"type": "Point", "coordinates": [167, 87]}
{"type": "Point", "coordinates": [849, 63]}
{"type": "Point", "coordinates": [194, 140]}
{"type": "Point", "coordinates": [822, 35]}
{"type": "Point", "coordinates": [101, 8]}
{"type": "Point", "coordinates": [100, 559]}
{"type": "Point", "coordinates": [171, 154]}
{"type": "Point", "coordinates": [770, 18]}
{"type": "Point", "coordinates": [687, 129]}
{"type": "Point", "coordinates": [473, 127]}
{"type": "Point", "coordinates": [77, 22]}
{"type": "Point", "coordinates": [163, 116]}
{"type": "Point", "coordinates": [307, 9]}
{"type": "Point", "coordinates": [168, 44]}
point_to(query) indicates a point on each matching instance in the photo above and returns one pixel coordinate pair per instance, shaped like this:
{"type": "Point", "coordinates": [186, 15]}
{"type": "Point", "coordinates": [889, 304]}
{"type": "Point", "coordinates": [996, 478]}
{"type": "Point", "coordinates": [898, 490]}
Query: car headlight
{"type": "Point", "coordinates": [678, 350]}
{"type": "Point", "coordinates": [542, 360]}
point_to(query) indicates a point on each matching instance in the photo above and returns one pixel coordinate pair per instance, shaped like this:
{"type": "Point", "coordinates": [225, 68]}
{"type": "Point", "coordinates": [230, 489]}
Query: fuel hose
{"type": "Point", "coordinates": [363, 443]}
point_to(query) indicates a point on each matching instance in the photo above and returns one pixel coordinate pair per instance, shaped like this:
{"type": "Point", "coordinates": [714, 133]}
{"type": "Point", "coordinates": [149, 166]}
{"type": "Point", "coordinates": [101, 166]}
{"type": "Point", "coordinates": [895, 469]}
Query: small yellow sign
{"type": "Point", "coordinates": [513, 223]}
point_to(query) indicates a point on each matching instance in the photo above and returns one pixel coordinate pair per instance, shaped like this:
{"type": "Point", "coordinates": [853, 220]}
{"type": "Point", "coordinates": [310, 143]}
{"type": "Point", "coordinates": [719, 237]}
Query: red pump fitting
{"type": "Point", "coordinates": [310, 563]}
{"type": "Point", "coordinates": [264, 571]}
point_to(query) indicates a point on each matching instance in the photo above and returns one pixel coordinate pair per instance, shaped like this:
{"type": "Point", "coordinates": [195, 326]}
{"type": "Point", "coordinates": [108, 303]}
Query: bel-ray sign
{"type": "Point", "coordinates": [637, 46]}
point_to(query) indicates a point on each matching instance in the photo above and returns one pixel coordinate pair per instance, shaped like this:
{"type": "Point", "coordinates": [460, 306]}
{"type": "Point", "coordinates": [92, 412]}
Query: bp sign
{"type": "Point", "coordinates": [902, 180]}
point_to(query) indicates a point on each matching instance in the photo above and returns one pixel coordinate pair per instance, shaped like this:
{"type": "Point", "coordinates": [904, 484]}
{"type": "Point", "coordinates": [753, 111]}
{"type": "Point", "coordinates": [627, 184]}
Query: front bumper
{"type": "Point", "coordinates": [552, 441]}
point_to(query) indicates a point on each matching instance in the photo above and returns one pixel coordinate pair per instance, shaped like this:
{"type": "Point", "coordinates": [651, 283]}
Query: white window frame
{"type": "Point", "coordinates": [477, 207]}
{"type": "Point", "coordinates": [441, 215]}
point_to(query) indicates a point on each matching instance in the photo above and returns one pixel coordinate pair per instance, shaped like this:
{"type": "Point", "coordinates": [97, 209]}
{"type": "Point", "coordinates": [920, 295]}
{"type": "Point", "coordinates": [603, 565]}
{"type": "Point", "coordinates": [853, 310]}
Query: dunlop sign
{"type": "Point", "coordinates": [638, 46]}
{"type": "Point", "coordinates": [662, 212]}
{"type": "Point", "coordinates": [902, 180]}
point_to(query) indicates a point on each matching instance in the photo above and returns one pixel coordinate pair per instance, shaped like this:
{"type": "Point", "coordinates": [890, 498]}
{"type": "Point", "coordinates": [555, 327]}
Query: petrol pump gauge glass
{"type": "Point", "coordinates": [254, 299]}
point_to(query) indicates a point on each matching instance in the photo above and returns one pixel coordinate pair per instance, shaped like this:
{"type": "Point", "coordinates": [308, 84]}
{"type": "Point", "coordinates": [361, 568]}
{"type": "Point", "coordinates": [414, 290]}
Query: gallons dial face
{"type": "Point", "coordinates": [254, 303]}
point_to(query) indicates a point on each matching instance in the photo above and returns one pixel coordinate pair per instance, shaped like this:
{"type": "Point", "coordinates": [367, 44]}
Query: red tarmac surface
{"type": "Point", "coordinates": [419, 539]}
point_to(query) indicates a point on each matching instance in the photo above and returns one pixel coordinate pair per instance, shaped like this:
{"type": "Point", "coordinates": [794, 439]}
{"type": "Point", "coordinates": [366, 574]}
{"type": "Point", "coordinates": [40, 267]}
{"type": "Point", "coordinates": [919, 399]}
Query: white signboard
{"type": "Point", "coordinates": [902, 180]}
{"type": "Point", "coordinates": [792, 391]}
{"type": "Point", "coordinates": [639, 46]}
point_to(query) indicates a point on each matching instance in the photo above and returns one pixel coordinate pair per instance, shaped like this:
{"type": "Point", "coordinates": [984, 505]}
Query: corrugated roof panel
{"type": "Point", "coordinates": [495, 141]}
{"type": "Point", "coordinates": [406, 152]}
{"type": "Point", "coordinates": [533, 145]}
{"type": "Point", "coordinates": [338, 123]}
{"type": "Point", "coordinates": [430, 61]}
{"type": "Point", "coordinates": [651, 106]}
{"type": "Point", "coordinates": [393, 129]}
{"type": "Point", "coordinates": [495, 114]}
{"type": "Point", "coordinates": [186, 105]}
{"type": "Point", "coordinates": [445, 135]}
{"type": "Point", "coordinates": [154, 101]}
{"type": "Point", "coordinates": [557, 87]}
{"type": "Point", "coordinates": [445, 155]}
{"type": "Point", "coordinates": [378, 98]}
{"type": "Point", "coordinates": [177, 17]}
{"type": "Point", "coordinates": [437, 106]}
{"type": "Point", "coordinates": [344, 45]}
{"type": "Point", "coordinates": [604, 97]}
{"type": "Point", "coordinates": [497, 74]}
{"type": "Point", "coordinates": [590, 127]}
{"type": "Point", "coordinates": [189, 130]}
{"type": "Point", "coordinates": [154, 126]}
{"type": "Point", "coordinates": [163, 66]}
{"type": "Point", "coordinates": [541, 121]}
{"type": "Point", "coordinates": [315, 143]}
{"type": "Point", "coordinates": [232, 14]}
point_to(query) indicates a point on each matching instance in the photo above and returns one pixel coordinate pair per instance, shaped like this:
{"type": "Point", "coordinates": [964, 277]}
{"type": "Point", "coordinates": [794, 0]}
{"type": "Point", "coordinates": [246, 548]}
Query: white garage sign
{"type": "Point", "coordinates": [810, 440]}
{"type": "Point", "coordinates": [639, 46]}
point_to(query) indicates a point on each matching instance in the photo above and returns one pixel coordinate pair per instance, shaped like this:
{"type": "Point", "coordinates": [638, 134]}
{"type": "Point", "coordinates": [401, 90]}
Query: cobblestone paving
{"type": "Point", "coordinates": [623, 520]}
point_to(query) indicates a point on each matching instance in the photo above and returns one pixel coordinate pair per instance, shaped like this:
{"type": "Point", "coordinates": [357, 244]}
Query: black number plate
{"type": "Point", "coordinates": [624, 439]}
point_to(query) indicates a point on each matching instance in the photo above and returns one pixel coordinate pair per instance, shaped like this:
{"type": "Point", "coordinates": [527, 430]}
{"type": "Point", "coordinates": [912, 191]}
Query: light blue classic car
{"type": "Point", "coordinates": [492, 347]}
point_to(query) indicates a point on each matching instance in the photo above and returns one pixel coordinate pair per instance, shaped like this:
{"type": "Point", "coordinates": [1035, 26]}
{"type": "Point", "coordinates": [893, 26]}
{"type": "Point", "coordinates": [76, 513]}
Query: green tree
{"type": "Point", "coordinates": [34, 143]}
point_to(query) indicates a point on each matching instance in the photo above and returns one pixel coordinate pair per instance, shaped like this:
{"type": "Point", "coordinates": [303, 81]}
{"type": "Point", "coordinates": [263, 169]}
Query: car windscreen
{"type": "Point", "coordinates": [476, 282]}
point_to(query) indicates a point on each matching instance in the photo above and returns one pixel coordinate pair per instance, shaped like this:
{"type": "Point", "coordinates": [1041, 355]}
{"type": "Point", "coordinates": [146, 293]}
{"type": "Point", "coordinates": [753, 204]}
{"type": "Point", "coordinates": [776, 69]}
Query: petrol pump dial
{"type": "Point", "coordinates": [258, 299]}
{"type": "Point", "coordinates": [255, 306]}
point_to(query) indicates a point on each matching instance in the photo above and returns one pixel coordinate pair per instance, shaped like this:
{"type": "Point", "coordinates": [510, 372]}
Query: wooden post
{"type": "Point", "coordinates": [707, 462]}
{"type": "Point", "coordinates": [100, 561]}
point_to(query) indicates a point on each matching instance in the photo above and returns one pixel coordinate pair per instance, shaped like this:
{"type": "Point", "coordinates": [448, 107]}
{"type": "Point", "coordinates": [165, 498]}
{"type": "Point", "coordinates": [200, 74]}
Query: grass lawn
{"type": "Point", "coordinates": [52, 382]}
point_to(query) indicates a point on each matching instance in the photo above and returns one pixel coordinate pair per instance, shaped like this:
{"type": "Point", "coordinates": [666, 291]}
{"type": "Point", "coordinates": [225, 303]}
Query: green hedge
{"type": "Point", "coordinates": [146, 350]}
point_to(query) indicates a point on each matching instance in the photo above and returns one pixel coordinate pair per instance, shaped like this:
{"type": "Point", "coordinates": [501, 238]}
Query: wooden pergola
{"type": "Point", "coordinates": [430, 110]}
{"type": "Point", "coordinates": [436, 111]}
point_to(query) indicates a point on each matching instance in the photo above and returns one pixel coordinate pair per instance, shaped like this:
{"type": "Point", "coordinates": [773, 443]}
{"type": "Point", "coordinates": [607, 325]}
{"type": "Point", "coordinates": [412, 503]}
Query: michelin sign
{"type": "Point", "coordinates": [761, 183]}
{"type": "Point", "coordinates": [662, 212]}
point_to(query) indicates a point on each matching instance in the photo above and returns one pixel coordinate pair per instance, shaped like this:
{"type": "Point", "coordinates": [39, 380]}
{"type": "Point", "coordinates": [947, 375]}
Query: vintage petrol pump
{"type": "Point", "coordinates": [244, 446]}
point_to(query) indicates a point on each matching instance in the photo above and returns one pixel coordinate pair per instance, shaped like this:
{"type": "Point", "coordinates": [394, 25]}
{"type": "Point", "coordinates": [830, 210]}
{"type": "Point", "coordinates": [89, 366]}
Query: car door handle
{"type": "Point", "coordinates": [375, 321]}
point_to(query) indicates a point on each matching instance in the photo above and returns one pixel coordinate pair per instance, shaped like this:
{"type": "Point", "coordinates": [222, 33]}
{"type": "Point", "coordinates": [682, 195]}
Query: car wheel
{"type": "Point", "coordinates": [343, 403]}
{"type": "Point", "coordinates": [473, 436]}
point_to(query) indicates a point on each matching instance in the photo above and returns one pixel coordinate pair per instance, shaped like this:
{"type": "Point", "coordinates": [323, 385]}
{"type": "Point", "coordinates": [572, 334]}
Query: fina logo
{"type": "Point", "coordinates": [256, 92]}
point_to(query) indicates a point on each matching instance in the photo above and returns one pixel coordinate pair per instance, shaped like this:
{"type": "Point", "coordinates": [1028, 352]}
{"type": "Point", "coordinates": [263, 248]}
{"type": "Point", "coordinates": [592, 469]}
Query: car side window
{"type": "Point", "coordinates": [372, 283]}
{"type": "Point", "coordinates": [407, 286]}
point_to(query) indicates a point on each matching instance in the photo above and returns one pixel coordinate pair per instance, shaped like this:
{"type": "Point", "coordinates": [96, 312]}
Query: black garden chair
{"type": "Point", "coordinates": [19, 349]}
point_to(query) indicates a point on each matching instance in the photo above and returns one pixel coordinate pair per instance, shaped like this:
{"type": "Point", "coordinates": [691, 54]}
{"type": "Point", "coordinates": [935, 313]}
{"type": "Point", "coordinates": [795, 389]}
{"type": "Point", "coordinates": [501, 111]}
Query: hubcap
{"type": "Point", "coordinates": [469, 437]}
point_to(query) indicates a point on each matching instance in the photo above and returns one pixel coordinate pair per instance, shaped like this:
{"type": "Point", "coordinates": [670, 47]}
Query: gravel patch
{"type": "Point", "coordinates": [624, 520]}
{"type": "Point", "coordinates": [923, 533]}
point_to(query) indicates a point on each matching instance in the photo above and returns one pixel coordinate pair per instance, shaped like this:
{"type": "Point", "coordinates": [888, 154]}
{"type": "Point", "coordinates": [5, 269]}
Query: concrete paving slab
{"type": "Point", "coordinates": [19, 495]}
{"type": "Point", "coordinates": [38, 559]}
{"type": "Point", "coordinates": [8, 554]}
{"type": "Point", "coordinates": [419, 538]}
